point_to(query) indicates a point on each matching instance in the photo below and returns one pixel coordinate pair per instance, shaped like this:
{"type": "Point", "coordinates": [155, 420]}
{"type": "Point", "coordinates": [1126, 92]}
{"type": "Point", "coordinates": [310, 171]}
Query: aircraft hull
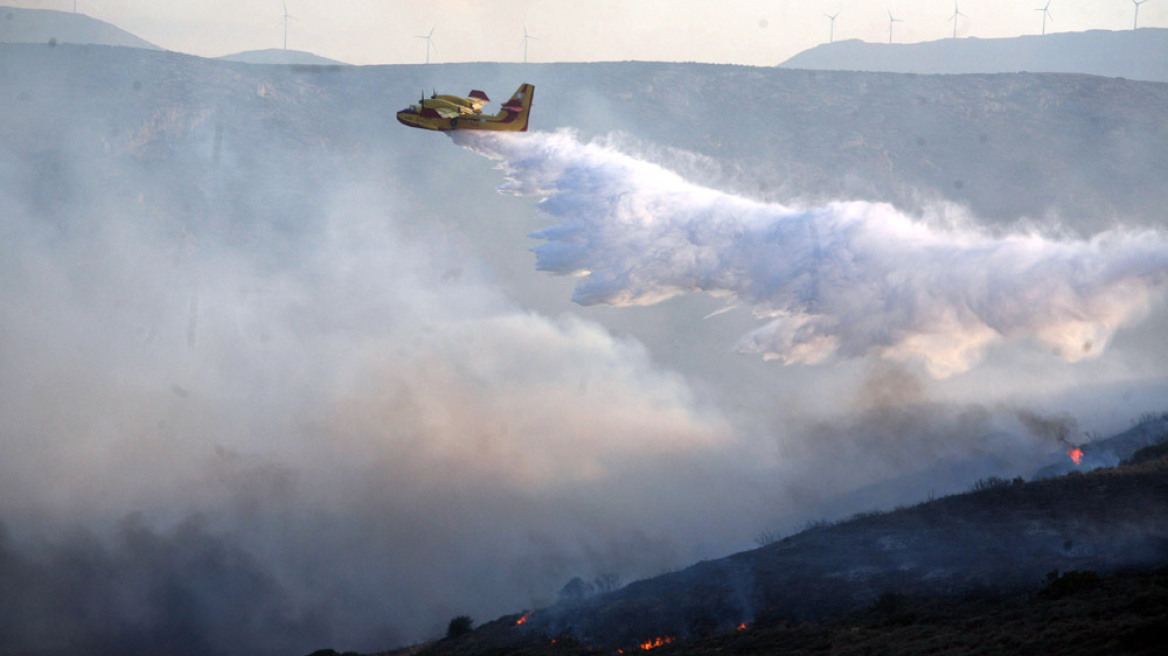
{"type": "Point", "coordinates": [440, 124]}
{"type": "Point", "coordinates": [512, 118]}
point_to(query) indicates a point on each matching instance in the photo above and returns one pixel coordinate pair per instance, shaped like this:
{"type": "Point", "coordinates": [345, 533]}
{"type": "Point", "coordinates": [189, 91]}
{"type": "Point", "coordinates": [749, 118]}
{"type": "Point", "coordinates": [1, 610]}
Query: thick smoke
{"type": "Point", "coordinates": [369, 437]}
{"type": "Point", "coordinates": [1053, 429]}
{"type": "Point", "coordinates": [844, 280]}
{"type": "Point", "coordinates": [275, 379]}
{"type": "Point", "coordinates": [257, 399]}
{"type": "Point", "coordinates": [185, 591]}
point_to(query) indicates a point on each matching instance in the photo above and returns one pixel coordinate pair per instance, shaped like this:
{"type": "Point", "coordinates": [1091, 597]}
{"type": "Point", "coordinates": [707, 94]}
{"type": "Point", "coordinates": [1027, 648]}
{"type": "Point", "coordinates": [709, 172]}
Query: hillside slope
{"type": "Point", "coordinates": [996, 543]}
{"type": "Point", "coordinates": [1072, 615]}
{"type": "Point", "coordinates": [1088, 150]}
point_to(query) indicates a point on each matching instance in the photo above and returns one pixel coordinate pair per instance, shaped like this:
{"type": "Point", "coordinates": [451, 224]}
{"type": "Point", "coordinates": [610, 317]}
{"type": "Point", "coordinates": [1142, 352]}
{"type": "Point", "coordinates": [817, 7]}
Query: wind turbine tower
{"type": "Point", "coordinates": [526, 37]}
{"type": "Point", "coordinates": [429, 43]}
{"type": "Point", "coordinates": [891, 20]}
{"type": "Point", "coordinates": [1136, 21]}
{"type": "Point", "coordinates": [831, 34]}
{"type": "Point", "coordinates": [287, 17]}
{"type": "Point", "coordinates": [957, 12]}
{"type": "Point", "coordinates": [1045, 9]}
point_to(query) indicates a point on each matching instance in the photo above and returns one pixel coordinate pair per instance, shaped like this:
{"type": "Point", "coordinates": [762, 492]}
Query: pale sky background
{"type": "Point", "coordinates": [752, 32]}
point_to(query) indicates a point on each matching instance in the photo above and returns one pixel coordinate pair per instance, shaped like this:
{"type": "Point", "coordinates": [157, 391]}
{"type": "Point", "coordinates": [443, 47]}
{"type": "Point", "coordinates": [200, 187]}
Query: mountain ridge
{"type": "Point", "coordinates": [1134, 54]}
{"type": "Point", "coordinates": [19, 25]}
{"type": "Point", "coordinates": [281, 56]}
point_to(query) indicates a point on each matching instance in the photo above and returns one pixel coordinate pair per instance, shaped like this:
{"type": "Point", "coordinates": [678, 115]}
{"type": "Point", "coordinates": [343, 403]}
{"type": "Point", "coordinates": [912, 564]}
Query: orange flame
{"type": "Point", "coordinates": [1075, 453]}
{"type": "Point", "coordinates": [523, 619]}
{"type": "Point", "coordinates": [742, 627]}
{"type": "Point", "coordinates": [655, 643]}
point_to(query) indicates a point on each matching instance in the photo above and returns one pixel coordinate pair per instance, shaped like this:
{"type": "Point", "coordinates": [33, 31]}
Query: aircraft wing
{"type": "Point", "coordinates": [477, 99]}
{"type": "Point", "coordinates": [447, 112]}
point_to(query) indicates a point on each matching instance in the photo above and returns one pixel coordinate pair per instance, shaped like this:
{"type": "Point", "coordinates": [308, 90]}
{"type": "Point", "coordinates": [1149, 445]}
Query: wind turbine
{"type": "Point", "coordinates": [527, 37]}
{"type": "Point", "coordinates": [1136, 21]}
{"type": "Point", "coordinates": [957, 12]}
{"type": "Point", "coordinates": [831, 36]}
{"type": "Point", "coordinates": [1045, 14]}
{"type": "Point", "coordinates": [891, 20]}
{"type": "Point", "coordinates": [287, 17]}
{"type": "Point", "coordinates": [429, 43]}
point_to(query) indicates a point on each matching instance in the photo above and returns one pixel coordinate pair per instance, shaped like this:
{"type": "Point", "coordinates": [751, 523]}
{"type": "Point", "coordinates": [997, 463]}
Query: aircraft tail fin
{"type": "Point", "coordinates": [519, 106]}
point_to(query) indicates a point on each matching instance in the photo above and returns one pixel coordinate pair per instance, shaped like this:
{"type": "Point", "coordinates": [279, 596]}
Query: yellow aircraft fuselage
{"type": "Point", "coordinates": [447, 112]}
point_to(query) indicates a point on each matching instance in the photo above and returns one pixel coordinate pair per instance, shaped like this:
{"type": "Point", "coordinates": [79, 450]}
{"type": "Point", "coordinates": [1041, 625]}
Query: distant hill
{"type": "Point", "coordinates": [1134, 54]}
{"type": "Point", "coordinates": [49, 26]}
{"type": "Point", "coordinates": [281, 56]}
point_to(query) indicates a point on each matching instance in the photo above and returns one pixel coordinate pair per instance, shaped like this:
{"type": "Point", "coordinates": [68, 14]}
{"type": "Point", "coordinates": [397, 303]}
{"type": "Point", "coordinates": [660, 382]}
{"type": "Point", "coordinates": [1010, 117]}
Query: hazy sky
{"type": "Point", "coordinates": [754, 32]}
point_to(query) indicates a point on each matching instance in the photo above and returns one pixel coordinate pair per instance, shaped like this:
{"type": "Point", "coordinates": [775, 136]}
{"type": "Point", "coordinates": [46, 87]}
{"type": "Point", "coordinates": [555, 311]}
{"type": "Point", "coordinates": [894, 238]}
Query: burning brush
{"type": "Point", "coordinates": [1073, 451]}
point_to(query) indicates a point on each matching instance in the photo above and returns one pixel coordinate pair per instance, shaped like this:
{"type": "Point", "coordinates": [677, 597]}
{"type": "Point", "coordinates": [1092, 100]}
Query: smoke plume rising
{"type": "Point", "coordinates": [844, 280]}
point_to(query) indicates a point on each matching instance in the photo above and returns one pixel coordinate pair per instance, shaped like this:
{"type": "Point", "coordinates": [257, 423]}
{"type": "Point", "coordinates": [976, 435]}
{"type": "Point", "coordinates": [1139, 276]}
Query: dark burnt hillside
{"type": "Point", "coordinates": [1125, 614]}
{"type": "Point", "coordinates": [934, 562]}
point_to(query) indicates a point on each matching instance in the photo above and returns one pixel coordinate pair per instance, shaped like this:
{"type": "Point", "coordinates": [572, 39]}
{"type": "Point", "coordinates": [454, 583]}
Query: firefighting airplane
{"type": "Point", "coordinates": [443, 112]}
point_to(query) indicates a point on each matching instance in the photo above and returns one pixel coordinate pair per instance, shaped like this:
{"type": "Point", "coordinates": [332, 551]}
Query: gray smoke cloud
{"type": "Point", "coordinates": [844, 280]}
{"type": "Point", "coordinates": [258, 399]}
{"type": "Point", "coordinates": [371, 431]}
{"type": "Point", "coordinates": [1054, 428]}
{"type": "Point", "coordinates": [276, 375]}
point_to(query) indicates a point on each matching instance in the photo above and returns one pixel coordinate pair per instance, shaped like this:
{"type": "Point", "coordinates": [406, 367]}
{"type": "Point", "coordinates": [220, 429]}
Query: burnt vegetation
{"type": "Point", "coordinates": [1068, 565]}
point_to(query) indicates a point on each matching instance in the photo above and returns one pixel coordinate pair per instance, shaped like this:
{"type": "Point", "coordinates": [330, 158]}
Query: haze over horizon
{"type": "Point", "coordinates": [758, 33]}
